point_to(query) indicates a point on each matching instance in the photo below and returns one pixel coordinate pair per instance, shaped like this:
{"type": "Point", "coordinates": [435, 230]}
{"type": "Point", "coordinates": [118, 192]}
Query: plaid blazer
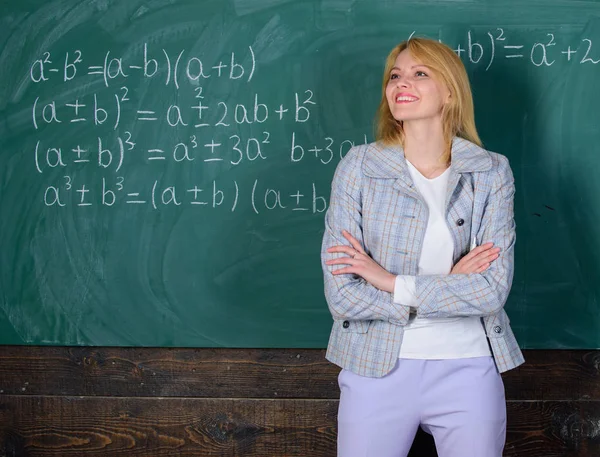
{"type": "Point", "coordinates": [374, 198]}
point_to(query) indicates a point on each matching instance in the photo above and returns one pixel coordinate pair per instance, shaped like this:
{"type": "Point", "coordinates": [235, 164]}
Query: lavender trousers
{"type": "Point", "coordinates": [459, 401]}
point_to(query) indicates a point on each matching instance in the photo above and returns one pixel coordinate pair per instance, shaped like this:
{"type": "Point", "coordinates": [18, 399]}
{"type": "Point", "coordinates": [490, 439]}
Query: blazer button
{"type": "Point", "coordinates": [460, 222]}
{"type": "Point", "coordinates": [346, 324]}
{"type": "Point", "coordinates": [497, 329]}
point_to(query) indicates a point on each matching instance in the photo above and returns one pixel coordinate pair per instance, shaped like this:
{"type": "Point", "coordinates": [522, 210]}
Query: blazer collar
{"type": "Point", "coordinates": [389, 161]}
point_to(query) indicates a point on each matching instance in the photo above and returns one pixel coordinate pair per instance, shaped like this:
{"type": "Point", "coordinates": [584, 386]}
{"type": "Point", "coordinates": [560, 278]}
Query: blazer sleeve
{"type": "Point", "coordinates": [349, 296]}
{"type": "Point", "coordinates": [478, 294]}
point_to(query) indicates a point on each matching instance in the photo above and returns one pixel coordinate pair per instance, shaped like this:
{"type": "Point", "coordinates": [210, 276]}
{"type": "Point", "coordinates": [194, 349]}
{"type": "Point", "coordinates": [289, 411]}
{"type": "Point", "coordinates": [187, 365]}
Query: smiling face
{"type": "Point", "coordinates": [415, 97]}
{"type": "Point", "coordinates": [413, 93]}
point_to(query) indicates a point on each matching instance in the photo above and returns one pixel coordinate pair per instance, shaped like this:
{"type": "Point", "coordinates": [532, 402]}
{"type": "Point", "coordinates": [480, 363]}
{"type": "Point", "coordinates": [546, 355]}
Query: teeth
{"type": "Point", "coordinates": [405, 99]}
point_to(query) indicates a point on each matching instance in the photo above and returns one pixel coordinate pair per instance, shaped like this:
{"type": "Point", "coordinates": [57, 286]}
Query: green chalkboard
{"type": "Point", "coordinates": [165, 165]}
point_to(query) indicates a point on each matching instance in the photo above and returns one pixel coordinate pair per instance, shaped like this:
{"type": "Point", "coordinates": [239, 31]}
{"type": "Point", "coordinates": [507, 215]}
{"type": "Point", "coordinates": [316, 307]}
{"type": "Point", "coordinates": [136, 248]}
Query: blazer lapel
{"type": "Point", "coordinates": [453, 179]}
{"type": "Point", "coordinates": [390, 162]}
{"type": "Point", "coordinates": [467, 157]}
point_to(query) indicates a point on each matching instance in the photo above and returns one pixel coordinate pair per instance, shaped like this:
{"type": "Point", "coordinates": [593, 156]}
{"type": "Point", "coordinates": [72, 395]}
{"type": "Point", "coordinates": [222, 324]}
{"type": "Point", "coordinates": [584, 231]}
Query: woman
{"type": "Point", "coordinates": [418, 259]}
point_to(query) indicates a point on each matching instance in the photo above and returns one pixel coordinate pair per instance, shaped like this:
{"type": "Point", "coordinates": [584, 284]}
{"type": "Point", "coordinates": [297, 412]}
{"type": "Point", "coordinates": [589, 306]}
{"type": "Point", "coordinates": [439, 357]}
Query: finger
{"type": "Point", "coordinates": [340, 261]}
{"type": "Point", "coordinates": [484, 263]}
{"type": "Point", "coordinates": [475, 263]}
{"type": "Point", "coordinates": [493, 255]}
{"type": "Point", "coordinates": [344, 271]}
{"type": "Point", "coordinates": [483, 255]}
{"type": "Point", "coordinates": [480, 249]}
{"type": "Point", "coordinates": [475, 252]}
{"type": "Point", "coordinates": [353, 241]}
{"type": "Point", "coordinates": [482, 268]}
{"type": "Point", "coordinates": [488, 256]}
{"type": "Point", "coordinates": [342, 248]}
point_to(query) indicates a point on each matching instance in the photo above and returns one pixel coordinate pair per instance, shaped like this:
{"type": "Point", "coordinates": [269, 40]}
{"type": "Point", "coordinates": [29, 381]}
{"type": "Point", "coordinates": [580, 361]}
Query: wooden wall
{"type": "Point", "coordinates": [60, 401]}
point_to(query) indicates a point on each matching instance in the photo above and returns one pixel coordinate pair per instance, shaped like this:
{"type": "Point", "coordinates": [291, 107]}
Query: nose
{"type": "Point", "coordinates": [402, 81]}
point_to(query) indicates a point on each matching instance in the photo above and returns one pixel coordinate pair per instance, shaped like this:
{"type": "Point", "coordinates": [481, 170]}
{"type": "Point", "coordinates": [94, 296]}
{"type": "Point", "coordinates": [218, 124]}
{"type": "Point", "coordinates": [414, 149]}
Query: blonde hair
{"type": "Point", "coordinates": [458, 117]}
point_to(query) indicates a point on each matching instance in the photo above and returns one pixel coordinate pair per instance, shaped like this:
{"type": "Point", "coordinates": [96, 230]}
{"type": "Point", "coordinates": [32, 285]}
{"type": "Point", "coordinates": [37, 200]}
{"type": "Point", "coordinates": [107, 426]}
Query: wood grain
{"type": "Point", "coordinates": [64, 401]}
{"type": "Point", "coordinates": [91, 426]}
{"type": "Point", "coordinates": [64, 426]}
{"type": "Point", "coordinates": [258, 373]}
{"type": "Point", "coordinates": [149, 372]}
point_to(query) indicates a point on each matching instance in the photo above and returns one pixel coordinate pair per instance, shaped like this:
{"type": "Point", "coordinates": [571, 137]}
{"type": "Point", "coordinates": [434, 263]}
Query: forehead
{"type": "Point", "coordinates": [406, 60]}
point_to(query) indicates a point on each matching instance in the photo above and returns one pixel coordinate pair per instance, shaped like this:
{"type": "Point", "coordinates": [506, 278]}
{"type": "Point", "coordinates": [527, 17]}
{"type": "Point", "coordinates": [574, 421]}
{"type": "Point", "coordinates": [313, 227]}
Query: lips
{"type": "Point", "coordinates": [404, 98]}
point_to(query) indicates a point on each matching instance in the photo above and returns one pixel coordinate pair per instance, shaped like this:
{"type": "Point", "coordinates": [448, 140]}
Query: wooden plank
{"type": "Point", "coordinates": [167, 372]}
{"type": "Point", "coordinates": [252, 373]}
{"type": "Point", "coordinates": [101, 426]}
{"type": "Point", "coordinates": [555, 375]}
{"type": "Point", "coordinates": [553, 429]}
{"type": "Point", "coordinates": [154, 427]}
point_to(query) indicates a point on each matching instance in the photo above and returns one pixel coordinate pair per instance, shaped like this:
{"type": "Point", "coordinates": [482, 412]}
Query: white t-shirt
{"type": "Point", "coordinates": [436, 338]}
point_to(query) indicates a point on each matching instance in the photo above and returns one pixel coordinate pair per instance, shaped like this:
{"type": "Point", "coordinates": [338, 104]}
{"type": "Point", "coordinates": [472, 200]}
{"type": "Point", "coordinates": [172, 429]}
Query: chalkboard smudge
{"type": "Point", "coordinates": [274, 40]}
{"type": "Point", "coordinates": [243, 7]}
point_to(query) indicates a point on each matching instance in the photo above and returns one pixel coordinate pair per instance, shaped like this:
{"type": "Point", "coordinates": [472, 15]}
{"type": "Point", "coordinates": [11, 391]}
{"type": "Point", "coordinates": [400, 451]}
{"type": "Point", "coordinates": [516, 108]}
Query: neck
{"type": "Point", "coordinates": [424, 144]}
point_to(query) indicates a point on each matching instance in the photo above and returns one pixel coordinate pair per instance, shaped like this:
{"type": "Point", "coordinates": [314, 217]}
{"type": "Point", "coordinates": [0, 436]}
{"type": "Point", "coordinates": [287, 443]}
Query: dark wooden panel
{"type": "Point", "coordinates": [555, 375]}
{"type": "Point", "coordinates": [94, 426]}
{"type": "Point", "coordinates": [251, 373]}
{"type": "Point", "coordinates": [99, 426]}
{"type": "Point", "coordinates": [165, 372]}
{"type": "Point", "coordinates": [553, 429]}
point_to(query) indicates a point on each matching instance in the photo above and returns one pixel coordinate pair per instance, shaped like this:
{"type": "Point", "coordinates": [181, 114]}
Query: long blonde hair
{"type": "Point", "coordinates": [458, 117]}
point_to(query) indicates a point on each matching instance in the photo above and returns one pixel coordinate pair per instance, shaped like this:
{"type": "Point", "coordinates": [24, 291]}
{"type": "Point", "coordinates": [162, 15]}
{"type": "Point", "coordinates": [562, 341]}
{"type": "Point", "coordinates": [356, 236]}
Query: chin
{"type": "Point", "coordinates": [404, 118]}
{"type": "Point", "coordinates": [414, 117]}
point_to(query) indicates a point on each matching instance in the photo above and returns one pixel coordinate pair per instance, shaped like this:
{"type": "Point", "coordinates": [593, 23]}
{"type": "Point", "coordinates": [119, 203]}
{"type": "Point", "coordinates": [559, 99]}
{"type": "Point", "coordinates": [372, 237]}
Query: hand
{"type": "Point", "coordinates": [476, 261]}
{"type": "Point", "coordinates": [361, 264]}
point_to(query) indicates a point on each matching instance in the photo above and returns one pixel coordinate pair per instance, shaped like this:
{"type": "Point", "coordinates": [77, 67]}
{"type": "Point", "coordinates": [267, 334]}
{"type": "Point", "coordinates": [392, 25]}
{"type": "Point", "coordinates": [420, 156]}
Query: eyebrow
{"type": "Point", "coordinates": [414, 66]}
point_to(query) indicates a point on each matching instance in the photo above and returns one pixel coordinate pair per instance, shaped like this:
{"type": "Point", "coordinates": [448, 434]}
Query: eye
{"type": "Point", "coordinates": [394, 76]}
{"type": "Point", "coordinates": [420, 73]}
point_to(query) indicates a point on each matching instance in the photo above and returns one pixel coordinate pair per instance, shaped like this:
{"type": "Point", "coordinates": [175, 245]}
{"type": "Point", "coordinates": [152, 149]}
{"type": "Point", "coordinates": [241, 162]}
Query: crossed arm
{"type": "Point", "coordinates": [477, 285]}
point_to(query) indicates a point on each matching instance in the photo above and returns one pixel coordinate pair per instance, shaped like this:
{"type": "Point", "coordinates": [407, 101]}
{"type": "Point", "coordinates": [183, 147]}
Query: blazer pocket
{"type": "Point", "coordinates": [497, 325]}
{"type": "Point", "coordinates": [348, 326]}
